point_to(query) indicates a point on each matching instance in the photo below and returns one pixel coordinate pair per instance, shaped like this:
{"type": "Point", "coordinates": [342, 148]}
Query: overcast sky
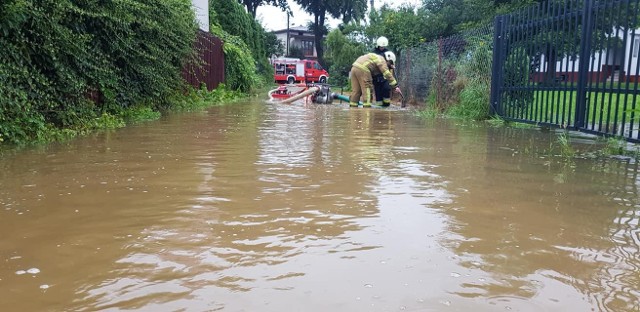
{"type": "Point", "coordinates": [273, 18]}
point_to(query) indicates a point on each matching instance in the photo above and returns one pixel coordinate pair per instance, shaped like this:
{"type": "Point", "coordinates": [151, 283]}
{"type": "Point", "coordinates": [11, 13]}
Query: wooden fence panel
{"type": "Point", "coordinates": [209, 65]}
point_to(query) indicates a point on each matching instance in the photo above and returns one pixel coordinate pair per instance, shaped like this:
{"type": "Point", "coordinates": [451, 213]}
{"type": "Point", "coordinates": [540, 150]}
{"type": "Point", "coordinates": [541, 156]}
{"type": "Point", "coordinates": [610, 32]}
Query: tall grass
{"type": "Point", "coordinates": [474, 101]}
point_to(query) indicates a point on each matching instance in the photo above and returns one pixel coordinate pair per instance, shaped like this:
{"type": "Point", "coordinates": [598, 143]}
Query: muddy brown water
{"type": "Point", "coordinates": [268, 207]}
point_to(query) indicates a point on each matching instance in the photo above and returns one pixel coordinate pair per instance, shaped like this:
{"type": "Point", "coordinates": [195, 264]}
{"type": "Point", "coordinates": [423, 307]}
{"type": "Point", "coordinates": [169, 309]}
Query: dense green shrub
{"type": "Point", "coordinates": [295, 52]}
{"type": "Point", "coordinates": [239, 67]}
{"type": "Point", "coordinates": [474, 101]}
{"type": "Point", "coordinates": [231, 17]}
{"type": "Point", "coordinates": [197, 100]}
{"type": "Point", "coordinates": [446, 85]}
{"type": "Point", "coordinates": [340, 53]}
{"type": "Point", "coordinates": [64, 63]}
{"type": "Point", "coordinates": [475, 78]}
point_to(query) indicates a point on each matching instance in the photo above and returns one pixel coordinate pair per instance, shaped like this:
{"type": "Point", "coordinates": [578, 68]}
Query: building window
{"type": "Point", "coordinates": [636, 45]}
{"type": "Point", "coordinates": [307, 47]}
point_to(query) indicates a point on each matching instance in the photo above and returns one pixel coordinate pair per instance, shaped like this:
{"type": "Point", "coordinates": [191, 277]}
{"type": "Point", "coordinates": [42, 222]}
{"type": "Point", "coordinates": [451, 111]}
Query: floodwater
{"type": "Point", "coordinates": [272, 207]}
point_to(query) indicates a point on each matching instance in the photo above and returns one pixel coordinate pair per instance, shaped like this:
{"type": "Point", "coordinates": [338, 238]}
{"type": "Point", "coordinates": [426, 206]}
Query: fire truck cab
{"type": "Point", "coordinates": [294, 70]}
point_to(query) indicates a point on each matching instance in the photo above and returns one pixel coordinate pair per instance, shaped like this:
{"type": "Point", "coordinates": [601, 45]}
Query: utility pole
{"type": "Point", "coordinates": [287, 54]}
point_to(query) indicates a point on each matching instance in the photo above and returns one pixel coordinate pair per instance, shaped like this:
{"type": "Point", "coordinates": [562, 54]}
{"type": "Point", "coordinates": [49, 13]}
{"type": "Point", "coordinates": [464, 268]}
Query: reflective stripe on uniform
{"type": "Point", "coordinates": [363, 67]}
{"type": "Point", "coordinates": [374, 59]}
{"type": "Point", "coordinates": [367, 101]}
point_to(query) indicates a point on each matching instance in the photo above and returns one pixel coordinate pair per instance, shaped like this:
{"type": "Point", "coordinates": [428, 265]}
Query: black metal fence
{"type": "Point", "coordinates": [571, 64]}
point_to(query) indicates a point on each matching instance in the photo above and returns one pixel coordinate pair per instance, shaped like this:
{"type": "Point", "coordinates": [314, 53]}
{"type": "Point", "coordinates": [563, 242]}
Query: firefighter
{"type": "Point", "coordinates": [380, 85]}
{"type": "Point", "coordinates": [381, 45]}
{"type": "Point", "coordinates": [362, 71]}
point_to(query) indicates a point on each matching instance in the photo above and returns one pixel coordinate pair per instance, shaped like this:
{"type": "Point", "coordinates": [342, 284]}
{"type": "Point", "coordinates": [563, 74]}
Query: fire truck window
{"type": "Point", "coordinates": [308, 65]}
{"type": "Point", "coordinates": [317, 66]}
{"type": "Point", "coordinates": [291, 69]}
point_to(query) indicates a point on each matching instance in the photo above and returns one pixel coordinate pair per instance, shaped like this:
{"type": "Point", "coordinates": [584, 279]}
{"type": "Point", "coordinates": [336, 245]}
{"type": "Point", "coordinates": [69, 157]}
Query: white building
{"type": "Point", "coordinates": [300, 37]}
{"type": "Point", "coordinates": [201, 7]}
{"type": "Point", "coordinates": [616, 63]}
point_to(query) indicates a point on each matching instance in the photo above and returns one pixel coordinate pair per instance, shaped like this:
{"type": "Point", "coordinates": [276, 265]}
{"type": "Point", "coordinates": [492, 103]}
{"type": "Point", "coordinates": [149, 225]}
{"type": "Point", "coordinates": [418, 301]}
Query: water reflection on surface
{"type": "Point", "coordinates": [559, 225]}
{"type": "Point", "coordinates": [255, 207]}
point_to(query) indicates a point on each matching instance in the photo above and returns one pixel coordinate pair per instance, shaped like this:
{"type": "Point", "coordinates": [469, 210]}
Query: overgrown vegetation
{"type": "Point", "coordinates": [197, 100]}
{"type": "Point", "coordinates": [240, 69]}
{"type": "Point", "coordinates": [71, 67]}
{"type": "Point", "coordinates": [247, 47]}
{"type": "Point", "coordinates": [459, 73]}
{"type": "Point", "coordinates": [341, 52]}
{"type": "Point", "coordinates": [474, 83]}
{"type": "Point", "coordinates": [78, 65]}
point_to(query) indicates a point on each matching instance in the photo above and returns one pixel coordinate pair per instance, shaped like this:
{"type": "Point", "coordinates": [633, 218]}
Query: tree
{"type": "Point", "coordinates": [233, 19]}
{"type": "Point", "coordinates": [444, 18]}
{"type": "Point", "coordinates": [295, 52]}
{"type": "Point", "coordinates": [342, 50]}
{"type": "Point", "coordinates": [243, 36]}
{"type": "Point", "coordinates": [273, 45]}
{"type": "Point", "coordinates": [252, 5]}
{"type": "Point", "coordinates": [453, 16]}
{"type": "Point", "coordinates": [347, 10]}
{"type": "Point", "coordinates": [394, 24]}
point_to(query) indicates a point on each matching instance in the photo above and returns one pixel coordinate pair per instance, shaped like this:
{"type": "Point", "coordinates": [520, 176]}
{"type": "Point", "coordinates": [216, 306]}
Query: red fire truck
{"type": "Point", "coordinates": [294, 70]}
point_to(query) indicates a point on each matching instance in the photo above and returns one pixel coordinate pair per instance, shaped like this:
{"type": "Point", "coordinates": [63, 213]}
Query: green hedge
{"type": "Point", "coordinates": [245, 45]}
{"type": "Point", "coordinates": [58, 56]}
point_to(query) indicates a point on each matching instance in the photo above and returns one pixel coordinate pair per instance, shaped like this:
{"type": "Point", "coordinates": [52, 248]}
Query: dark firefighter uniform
{"type": "Point", "coordinates": [381, 86]}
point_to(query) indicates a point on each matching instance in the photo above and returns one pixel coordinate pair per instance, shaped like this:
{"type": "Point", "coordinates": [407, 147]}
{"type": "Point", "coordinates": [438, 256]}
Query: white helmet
{"type": "Point", "coordinates": [382, 42]}
{"type": "Point", "coordinates": [390, 56]}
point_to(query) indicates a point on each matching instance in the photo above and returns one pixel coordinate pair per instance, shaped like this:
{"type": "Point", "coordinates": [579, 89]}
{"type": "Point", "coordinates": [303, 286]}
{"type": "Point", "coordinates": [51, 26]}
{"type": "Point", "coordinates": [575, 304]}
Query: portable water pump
{"type": "Point", "coordinates": [323, 95]}
{"type": "Point", "coordinates": [318, 93]}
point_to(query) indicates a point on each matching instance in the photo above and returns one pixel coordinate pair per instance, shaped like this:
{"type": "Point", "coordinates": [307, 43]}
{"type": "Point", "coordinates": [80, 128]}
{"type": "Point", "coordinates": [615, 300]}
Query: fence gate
{"type": "Point", "coordinates": [571, 64]}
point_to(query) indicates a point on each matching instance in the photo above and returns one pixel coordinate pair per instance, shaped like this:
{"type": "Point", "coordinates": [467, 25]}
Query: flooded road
{"type": "Point", "coordinates": [268, 207]}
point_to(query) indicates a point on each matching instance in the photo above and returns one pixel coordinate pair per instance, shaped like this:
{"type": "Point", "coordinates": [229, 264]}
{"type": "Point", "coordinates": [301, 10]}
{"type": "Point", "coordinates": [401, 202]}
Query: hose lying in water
{"type": "Point", "coordinates": [280, 88]}
{"type": "Point", "coordinates": [342, 97]}
{"type": "Point", "coordinates": [270, 93]}
{"type": "Point", "coordinates": [308, 92]}
{"type": "Point", "coordinates": [299, 95]}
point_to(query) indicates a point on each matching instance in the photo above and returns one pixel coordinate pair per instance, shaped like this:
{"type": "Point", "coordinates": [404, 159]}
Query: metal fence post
{"type": "Point", "coordinates": [583, 68]}
{"type": "Point", "coordinates": [494, 99]}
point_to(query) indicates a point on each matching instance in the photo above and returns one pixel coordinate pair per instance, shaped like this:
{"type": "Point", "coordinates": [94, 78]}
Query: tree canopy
{"type": "Point", "coordinates": [347, 10]}
{"type": "Point", "coordinates": [341, 52]}
{"type": "Point", "coordinates": [252, 5]}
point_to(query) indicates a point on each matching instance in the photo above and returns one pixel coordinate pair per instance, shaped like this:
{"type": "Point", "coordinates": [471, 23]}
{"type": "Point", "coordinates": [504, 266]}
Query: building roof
{"type": "Point", "coordinates": [294, 28]}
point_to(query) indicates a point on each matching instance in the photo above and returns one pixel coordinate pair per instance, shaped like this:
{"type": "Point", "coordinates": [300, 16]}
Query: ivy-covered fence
{"type": "Point", "coordinates": [207, 68]}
